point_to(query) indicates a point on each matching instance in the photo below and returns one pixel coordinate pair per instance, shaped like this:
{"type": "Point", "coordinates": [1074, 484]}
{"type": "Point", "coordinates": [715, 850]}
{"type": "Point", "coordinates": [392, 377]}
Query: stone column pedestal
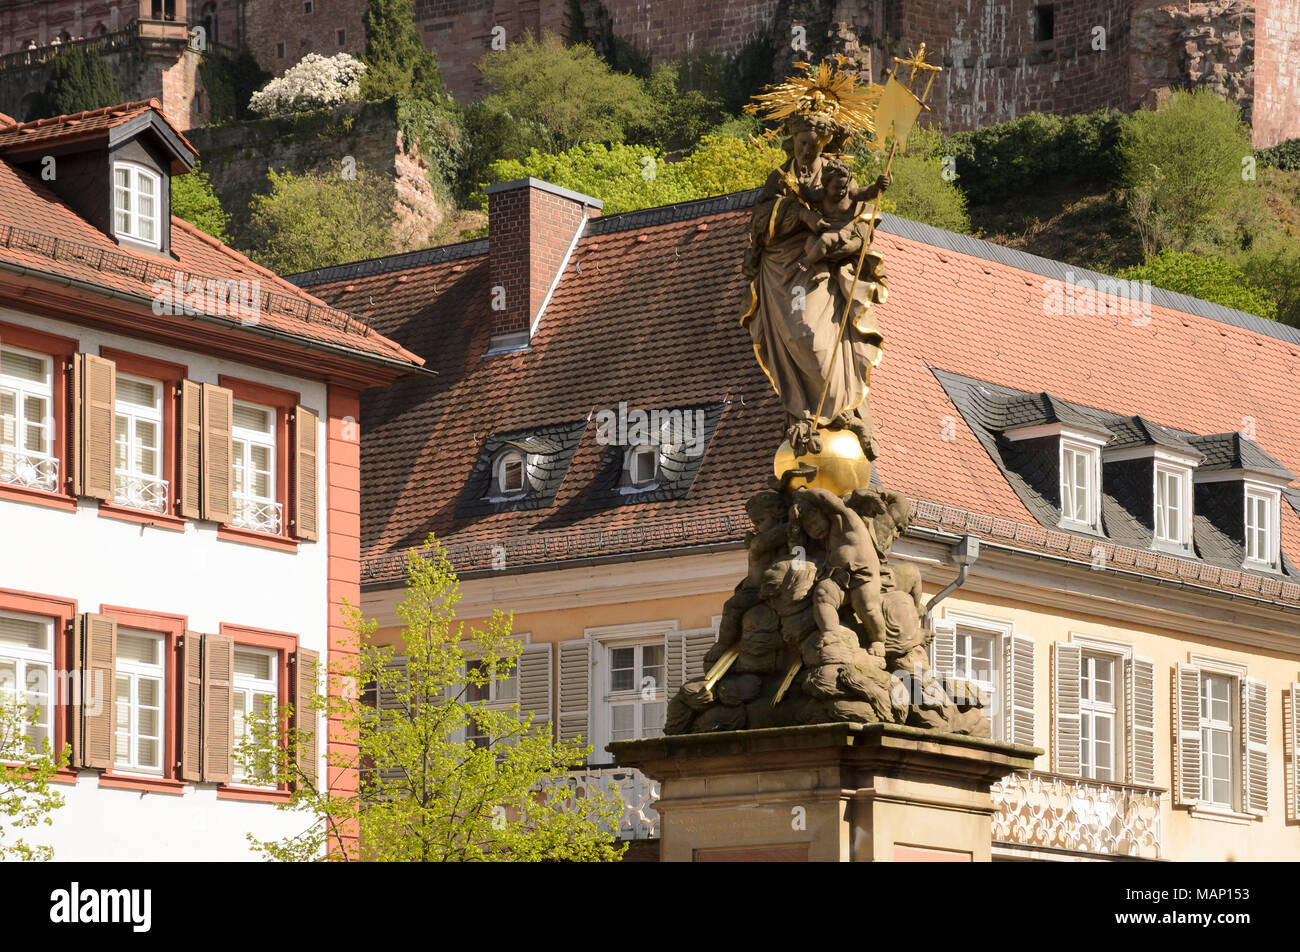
{"type": "Point", "coordinates": [824, 792]}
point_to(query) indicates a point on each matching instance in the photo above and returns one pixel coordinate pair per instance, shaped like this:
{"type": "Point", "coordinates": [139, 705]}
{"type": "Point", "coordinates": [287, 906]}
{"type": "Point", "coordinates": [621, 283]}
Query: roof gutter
{"type": "Point", "coordinates": [23, 271]}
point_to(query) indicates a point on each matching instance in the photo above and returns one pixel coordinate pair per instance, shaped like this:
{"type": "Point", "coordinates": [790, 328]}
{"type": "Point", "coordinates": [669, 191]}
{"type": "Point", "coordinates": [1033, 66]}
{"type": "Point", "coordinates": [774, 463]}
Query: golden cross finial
{"type": "Point", "coordinates": [916, 61]}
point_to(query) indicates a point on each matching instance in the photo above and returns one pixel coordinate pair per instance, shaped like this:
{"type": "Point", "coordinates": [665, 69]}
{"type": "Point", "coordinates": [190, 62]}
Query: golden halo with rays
{"type": "Point", "coordinates": [829, 89]}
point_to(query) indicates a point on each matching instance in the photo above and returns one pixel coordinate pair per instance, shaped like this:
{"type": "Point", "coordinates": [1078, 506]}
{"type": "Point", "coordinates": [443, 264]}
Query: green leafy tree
{"type": "Point", "coordinates": [1208, 277]}
{"type": "Point", "coordinates": [493, 133]}
{"type": "Point", "coordinates": [443, 778]}
{"type": "Point", "coordinates": [920, 190]}
{"type": "Point", "coordinates": [319, 219]}
{"type": "Point", "coordinates": [194, 200]}
{"type": "Point", "coordinates": [1182, 165]}
{"type": "Point", "coordinates": [78, 81]}
{"type": "Point", "coordinates": [722, 164]}
{"type": "Point", "coordinates": [1274, 268]}
{"type": "Point", "coordinates": [399, 64]}
{"type": "Point", "coordinates": [26, 800]}
{"type": "Point", "coordinates": [568, 92]}
{"type": "Point", "coordinates": [624, 177]}
{"type": "Point", "coordinates": [682, 115]}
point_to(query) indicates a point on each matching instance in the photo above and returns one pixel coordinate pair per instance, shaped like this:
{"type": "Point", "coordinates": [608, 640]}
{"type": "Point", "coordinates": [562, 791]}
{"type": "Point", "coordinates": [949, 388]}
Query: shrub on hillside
{"type": "Point", "coordinates": [314, 81]}
{"type": "Point", "coordinates": [1208, 277]}
{"type": "Point", "coordinates": [78, 81]}
{"type": "Point", "coordinates": [194, 201]}
{"type": "Point", "coordinates": [230, 84]}
{"type": "Point", "coordinates": [1284, 155]}
{"type": "Point", "coordinates": [624, 177]}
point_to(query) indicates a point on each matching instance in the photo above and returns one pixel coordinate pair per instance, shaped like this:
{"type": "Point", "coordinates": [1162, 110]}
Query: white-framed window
{"type": "Point", "coordinates": [509, 473]}
{"type": "Point", "coordinates": [1262, 527]}
{"type": "Point", "coordinates": [27, 420]}
{"type": "Point", "coordinates": [1218, 739]}
{"type": "Point", "coordinates": [138, 442]}
{"type": "Point", "coordinates": [497, 694]}
{"type": "Point", "coordinates": [253, 441]}
{"type": "Point", "coordinates": [642, 465]}
{"type": "Point", "coordinates": [141, 690]}
{"type": "Point", "coordinates": [1099, 706]}
{"type": "Point", "coordinates": [634, 689]}
{"type": "Point", "coordinates": [1080, 484]}
{"type": "Point", "coordinates": [1173, 505]}
{"type": "Point", "coordinates": [137, 203]}
{"type": "Point", "coordinates": [26, 671]}
{"type": "Point", "coordinates": [977, 658]}
{"type": "Point", "coordinates": [256, 686]}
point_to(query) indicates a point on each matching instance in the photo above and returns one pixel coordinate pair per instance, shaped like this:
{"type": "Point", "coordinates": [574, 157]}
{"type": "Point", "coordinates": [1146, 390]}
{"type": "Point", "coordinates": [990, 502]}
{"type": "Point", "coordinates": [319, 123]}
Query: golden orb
{"type": "Point", "coordinates": [841, 465]}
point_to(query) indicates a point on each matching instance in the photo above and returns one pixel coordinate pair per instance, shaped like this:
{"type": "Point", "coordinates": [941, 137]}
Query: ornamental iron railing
{"type": "Point", "coordinates": [259, 515]}
{"type": "Point", "coordinates": [1070, 813]}
{"type": "Point", "coordinates": [140, 492]}
{"type": "Point", "coordinates": [29, 470]}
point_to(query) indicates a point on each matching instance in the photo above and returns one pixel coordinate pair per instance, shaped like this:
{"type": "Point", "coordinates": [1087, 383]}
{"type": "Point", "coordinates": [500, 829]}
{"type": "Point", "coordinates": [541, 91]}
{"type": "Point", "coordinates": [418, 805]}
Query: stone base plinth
{"type": "Point", "coordinates": [824, 792]}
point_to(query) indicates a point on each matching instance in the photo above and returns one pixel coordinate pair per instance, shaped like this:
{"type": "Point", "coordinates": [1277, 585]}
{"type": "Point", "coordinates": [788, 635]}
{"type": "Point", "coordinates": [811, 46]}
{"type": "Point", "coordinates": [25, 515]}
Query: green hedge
{"type": "Point", "coordinates": [1284, 155]}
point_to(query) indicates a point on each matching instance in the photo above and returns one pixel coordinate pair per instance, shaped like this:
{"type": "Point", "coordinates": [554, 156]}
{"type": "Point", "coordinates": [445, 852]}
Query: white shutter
{"type": "Point", "coordinates": [1187, 723]}
{"type": "Point", "coordinates": [535, 685]}
{"type": "Point", "coordinates": [1140, 711]}
{"type": "Point", "coordinates": [1254, 720]}
{"type": "Point", "coordinates": [943, 650]}
{"type": "Point", "coordinates": [386, 700]}
{"type": "Point", "coordinates": [675, 662]}
{"type": "Point", "coordinates": [1019, 700]}
{"type": "Point", "coordinates": [1295, 751]}
{"type": "Point", "coordinates": [575, 691]}
{"type": "Point", "coordinates": [697, 645]}
{"type": "Point", "coordinates": [1067, 740]}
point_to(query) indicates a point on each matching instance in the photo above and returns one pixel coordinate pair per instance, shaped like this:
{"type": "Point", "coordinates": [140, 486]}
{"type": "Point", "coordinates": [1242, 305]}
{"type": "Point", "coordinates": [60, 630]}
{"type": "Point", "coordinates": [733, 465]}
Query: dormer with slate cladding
{"type": "Point", "coordinates": [112, 166]}
{"type": "Point", "coordinates": [1239, 489]}
{"type": "Point", "coordinates": [1147, 469]}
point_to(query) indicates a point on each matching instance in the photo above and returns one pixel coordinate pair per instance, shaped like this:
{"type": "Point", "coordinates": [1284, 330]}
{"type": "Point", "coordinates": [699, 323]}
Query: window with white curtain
{"type": "Point", "coordinates": [26, 420]}
{"type": "Point", "coordinates": [140, 701]}
{"type": "Point", "coordinates": [26, 669]}
{"type": "Point", "coordinates": [635, 690]}
{"type": "Point", "coordinates": [254, 452]}
{"type": "Point", "coordinates": [1218, 748]}
{"type": "Point", "coordinates": [138, 444]}
{"type": "Point", "coordinates": [137, 203]}
{"type": "Point", "coordinates": [256, 687]}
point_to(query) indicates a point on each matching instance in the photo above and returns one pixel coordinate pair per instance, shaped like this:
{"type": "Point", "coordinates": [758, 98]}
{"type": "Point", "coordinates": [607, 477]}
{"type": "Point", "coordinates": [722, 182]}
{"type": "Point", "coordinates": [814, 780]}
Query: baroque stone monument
{"type": "Point", "coordinates": [821, 680]}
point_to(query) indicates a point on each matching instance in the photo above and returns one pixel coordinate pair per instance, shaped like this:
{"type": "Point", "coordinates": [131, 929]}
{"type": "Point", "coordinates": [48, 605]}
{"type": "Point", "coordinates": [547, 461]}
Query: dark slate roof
{"type": "Point", "coordinates": [1139, 431]}
{"type": "Point", "coordinates": [678, 466]}
{"type": "Point", "coordinates": [548, 451]}
{"type": "Point", "coordinates": [1229, 451]}
{"type": "Point", "coordinates": [1034, 409]}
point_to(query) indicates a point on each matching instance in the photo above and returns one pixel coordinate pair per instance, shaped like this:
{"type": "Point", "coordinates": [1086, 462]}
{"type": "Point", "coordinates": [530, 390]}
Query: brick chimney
{"type": "Point", "coordinates": [533, 227]}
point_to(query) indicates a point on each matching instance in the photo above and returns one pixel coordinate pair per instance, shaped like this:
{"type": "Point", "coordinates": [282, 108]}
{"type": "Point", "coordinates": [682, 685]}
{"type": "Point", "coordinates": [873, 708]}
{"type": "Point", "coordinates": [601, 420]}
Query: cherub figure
{"type": "Point", "coordinates": [832, 212]}
{"type": "Point", "coordinates": [853, 567]}
{"type": "Point", "coordinates": [768, 512]}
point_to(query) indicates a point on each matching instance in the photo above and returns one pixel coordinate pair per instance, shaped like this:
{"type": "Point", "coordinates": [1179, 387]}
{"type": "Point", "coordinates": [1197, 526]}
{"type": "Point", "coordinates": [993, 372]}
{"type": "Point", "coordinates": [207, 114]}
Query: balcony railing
{"type": "Point", "coordinates": [639, 821]}
{"type": "Point", "coordinates": [257, 515]}
{"type": "Point", "coordinates": [140, 492]}
{"type": "Point", "coordinates": [1089, 816]}
{"type": "Point", "coordinates": [29, 470]}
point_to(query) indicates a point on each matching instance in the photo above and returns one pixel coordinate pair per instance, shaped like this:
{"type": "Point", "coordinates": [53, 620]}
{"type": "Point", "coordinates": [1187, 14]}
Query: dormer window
{"type": "Point", "coordinates": [136, 191]}
{"type": "Point", "coordinates": [509, 473]}
{"type": "Point", "coordinates": [1080, 484]}
{"type": "Point", "coordinates": [1263, 527]}
{"type": "Point", "coordinates": [1173, 504]}
{"type": "Point", "coordinates": [642, 466]}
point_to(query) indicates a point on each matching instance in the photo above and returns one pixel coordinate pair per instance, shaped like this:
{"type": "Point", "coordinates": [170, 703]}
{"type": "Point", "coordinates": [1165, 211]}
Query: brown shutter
{"type": "Point", "coordinates": [305, 681]}
{"type": "Point", "coordinates": [189, 491]}
{"type": "Point", "coordinates": [98, 686]}
{"type": "Point", "coordinates": [217, 474]}
{"type": "Point", "coordinates": [218, 707]}
{"type": "Point", "coordinates": [72, 450]}
{"type": "Point", "coordinates": [306, 504]}
{"type": "Point", "coordinates": [191, 706]}
{"type": "Point", "coordinates": [77, 669]}
{"type": "Point", "coordinates": [98, 410]}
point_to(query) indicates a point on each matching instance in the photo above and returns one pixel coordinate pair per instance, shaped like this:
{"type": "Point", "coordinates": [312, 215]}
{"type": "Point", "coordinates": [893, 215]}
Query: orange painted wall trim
{"type": "Point", "coordinates": [62, 611]}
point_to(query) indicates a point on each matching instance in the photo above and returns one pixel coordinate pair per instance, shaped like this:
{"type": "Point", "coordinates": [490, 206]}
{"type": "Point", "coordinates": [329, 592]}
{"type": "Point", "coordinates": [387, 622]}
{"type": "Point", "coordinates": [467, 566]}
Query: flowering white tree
{"type": "Point", "coordinates": [314, 81]}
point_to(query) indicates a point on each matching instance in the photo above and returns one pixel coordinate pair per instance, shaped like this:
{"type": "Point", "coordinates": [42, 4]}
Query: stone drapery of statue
{"type": "Point", "coordinates": [824, 628]}
{"type": "Point", "coordinates": [807, 232]}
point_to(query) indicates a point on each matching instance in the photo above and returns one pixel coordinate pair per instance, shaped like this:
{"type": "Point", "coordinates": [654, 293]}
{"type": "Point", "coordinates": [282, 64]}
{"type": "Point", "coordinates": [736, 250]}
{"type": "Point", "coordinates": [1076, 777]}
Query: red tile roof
{"type": "Point", "coordinates": [39, 231]}
{"type": "Point", "coordinates": [81, 125]}
{"type": "Point", "coordinates": [648, 313]}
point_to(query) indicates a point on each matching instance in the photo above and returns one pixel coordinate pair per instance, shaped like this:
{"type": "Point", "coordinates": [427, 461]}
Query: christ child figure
{"type": "Point", "coordinates": [834, 208]}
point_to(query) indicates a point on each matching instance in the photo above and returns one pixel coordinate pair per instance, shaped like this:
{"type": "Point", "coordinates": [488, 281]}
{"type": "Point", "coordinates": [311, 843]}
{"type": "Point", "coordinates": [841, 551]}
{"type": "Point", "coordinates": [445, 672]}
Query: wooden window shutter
{"type": "Point", "coordinates": [191, 766]}
{"type": "Point", "coordinates": [1019, 702]}
{"type": "Point", "coordinates": [98, 635]}
{"type": "Point", "coordinates": [305, 682]}
{"type": "Point", "coordinates": [218, 708]}
{"type": "Point", "coordinates": [697, 645]}
{"type": "Point", "coordinates": [1254, 720]}
{"type": "Point", "coordinates": [306, 474]}
{"type": "Point", "coordinates": [575, 690]}
{"type": "Point", "coordinates": [943, 650]}
{"type": "Point", "coordinates": [217, 474]}
{"type": "Point", "coordinates": [98, 379]}
{"type": "Point", "coordinates": [386, 699]}
{"type": "Point", "coordinates": [1067, 740]}
{"type": "Point", "coordinates": [189, 490]}
{"type": "Point", "coordinates": [1187, 724]}
{"type": "Point", "coordinates": [1295, 751]}
{"type": "Point", "coordinates": [72, 448]}
{"type": "Point", "coordinates": [1140, 720]}
{"type": "Point", "coordinates": [535, 685]}
{"type": "Point", "coordinates": [77, 666]}
{"type": "Point", "coordinates": [674, 662]}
